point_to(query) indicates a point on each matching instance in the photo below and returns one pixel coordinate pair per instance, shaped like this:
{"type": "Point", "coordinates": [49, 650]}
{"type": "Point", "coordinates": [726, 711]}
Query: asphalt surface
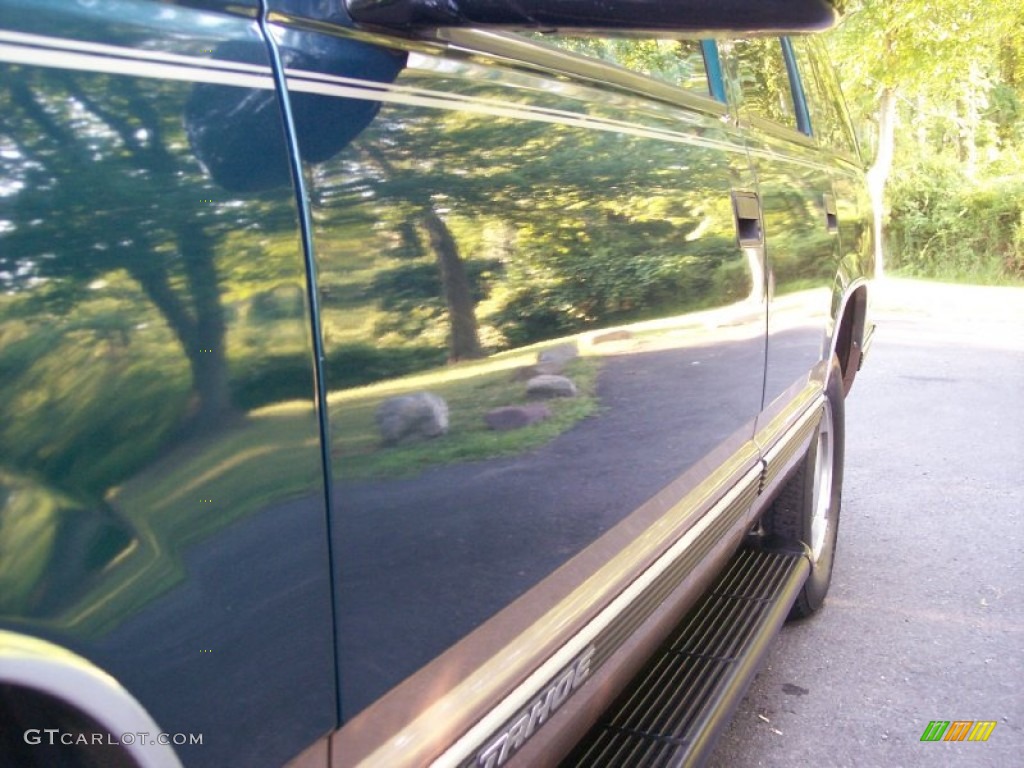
{"type": "Point", "coordinates": [925, 618]}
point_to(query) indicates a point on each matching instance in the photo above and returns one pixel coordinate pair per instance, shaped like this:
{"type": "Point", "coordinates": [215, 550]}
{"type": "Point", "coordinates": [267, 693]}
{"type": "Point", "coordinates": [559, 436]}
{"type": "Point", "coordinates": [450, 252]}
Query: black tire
{"type": "Point", "coordinates": [797, 513]}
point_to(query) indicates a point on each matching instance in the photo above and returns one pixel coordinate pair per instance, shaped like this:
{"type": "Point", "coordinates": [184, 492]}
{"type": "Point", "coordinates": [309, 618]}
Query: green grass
{"type": "Point", "coordinates": [271, 454]}
{"type": "Point", "coordinates": [471, 390]}
{"type": "Point", "coordinates": [986, 273]}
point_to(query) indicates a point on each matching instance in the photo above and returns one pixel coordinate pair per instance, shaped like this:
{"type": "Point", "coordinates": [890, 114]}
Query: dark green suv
{"type": "Point", "coordinates": [408, 383]}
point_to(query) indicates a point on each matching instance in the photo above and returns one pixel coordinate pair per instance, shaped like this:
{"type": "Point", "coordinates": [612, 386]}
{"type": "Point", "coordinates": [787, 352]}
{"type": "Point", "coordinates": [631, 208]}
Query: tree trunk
{"type": "Point", "coordinates": [209, 359]}
{"type": "Point", "coordinates": [464, 340]}
{"type": "Point", "coordinates": [921, 122]}
{"type": "Point", "coordinates": [970, 120]}
{"type": "Point", "coordinates": [879, 172]}
{"type": "Point", "coordinates": [201, 331]}
{"type": "Point", "coordinates": [463, 337]}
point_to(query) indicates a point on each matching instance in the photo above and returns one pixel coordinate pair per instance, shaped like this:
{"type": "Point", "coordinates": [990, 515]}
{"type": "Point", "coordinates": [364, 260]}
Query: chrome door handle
{"type": "Point", "coordinates": [746, 207]}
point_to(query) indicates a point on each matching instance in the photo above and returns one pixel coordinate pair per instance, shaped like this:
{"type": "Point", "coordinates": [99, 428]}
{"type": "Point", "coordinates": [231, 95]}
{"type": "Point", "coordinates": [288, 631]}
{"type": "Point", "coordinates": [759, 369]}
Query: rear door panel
{"type": "Point", "coordinates": [795, 187]}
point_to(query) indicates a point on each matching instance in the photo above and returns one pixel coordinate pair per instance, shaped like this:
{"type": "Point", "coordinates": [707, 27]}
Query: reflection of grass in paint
{"type": "Point", "coordinates": [195, 491]}
{"type": "Point", "coordinates": [471, 390]}
{"type": "Point", "coordinates": [28, 530]}
{"type": "Point", "coordinates": [272, 455]}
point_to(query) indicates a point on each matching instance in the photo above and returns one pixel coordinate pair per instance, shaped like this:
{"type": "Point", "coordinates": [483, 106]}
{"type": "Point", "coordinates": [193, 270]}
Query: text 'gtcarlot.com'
{"type": "Point", "coordinates": [54, 736]}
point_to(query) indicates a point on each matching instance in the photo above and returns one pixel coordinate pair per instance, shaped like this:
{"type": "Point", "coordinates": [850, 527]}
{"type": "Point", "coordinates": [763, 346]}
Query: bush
{"type": "Point", "coordinates": [945, 226]}
{"type": "Point", "coordinates": [356, 365]}
{"type": "Point", "coordinates": [288, 377]}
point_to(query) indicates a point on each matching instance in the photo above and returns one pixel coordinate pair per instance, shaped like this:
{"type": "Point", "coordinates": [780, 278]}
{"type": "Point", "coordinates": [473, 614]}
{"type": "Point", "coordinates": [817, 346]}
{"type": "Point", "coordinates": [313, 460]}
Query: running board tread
{"type": "Point", "coordinates": [672, 712]}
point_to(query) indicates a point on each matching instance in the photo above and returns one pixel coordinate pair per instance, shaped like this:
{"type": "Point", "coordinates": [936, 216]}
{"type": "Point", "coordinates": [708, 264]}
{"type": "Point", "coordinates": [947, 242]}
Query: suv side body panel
{"type": "Point", "coordinates": [542, 195]}
{"type": "Point", "coordinates": [560, 268]}
{"type": "Point", "coordinates": [162, 511]}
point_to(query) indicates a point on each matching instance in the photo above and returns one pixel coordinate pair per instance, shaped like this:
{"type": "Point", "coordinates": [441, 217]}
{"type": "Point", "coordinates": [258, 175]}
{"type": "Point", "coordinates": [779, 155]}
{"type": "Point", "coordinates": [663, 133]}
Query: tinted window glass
{"type": "Point", "coordinates": [828, 122]}
{"type": "Point", "coordinates": [763, 80]}
{"type": "Point", "coordinates": [679, 62]}
{"type": "Point", "coordinates": [828, 118]}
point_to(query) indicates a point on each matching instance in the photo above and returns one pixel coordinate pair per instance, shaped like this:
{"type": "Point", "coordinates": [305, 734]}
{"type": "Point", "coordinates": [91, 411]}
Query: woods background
{"type": "Point", "coordinates": [937, 88]}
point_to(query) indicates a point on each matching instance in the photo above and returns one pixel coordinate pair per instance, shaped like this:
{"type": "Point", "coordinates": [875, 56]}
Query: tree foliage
{"type": "Point", "coordinates": [943, 82]}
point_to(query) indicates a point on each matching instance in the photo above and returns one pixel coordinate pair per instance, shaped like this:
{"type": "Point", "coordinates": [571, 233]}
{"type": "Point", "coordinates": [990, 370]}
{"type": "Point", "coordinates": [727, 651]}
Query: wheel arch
{"type": "Point", "coordinates": [848, 336]}
{"type": "Point", "coordinates": [59, 683]}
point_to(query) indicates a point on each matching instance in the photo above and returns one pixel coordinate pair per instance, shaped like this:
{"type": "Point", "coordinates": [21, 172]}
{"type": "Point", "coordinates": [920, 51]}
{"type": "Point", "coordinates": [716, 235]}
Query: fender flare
{"type": "Point", "coordinates": [859, 333]}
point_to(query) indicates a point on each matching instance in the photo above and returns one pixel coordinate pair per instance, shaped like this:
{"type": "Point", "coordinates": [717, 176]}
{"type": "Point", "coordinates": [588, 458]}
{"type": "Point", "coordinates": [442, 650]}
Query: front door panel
{"type": "Point", "coordinates": [489, 225]}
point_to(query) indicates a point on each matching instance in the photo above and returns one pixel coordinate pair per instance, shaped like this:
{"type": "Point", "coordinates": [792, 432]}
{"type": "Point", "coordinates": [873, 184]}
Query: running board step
{"type": "Point", "coordinates": [673, 711]}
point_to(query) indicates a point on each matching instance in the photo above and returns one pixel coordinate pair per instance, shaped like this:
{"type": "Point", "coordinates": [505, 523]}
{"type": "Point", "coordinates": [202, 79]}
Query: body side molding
{"type": "Point", "coordinates": [641, 598]}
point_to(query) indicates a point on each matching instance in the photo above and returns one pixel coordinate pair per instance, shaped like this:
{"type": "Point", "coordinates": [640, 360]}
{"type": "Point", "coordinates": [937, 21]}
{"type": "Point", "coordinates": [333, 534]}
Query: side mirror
{"type": "Point", "coordinates": [228, 126]}
{"type": "Point", "coordinates": [647, 16]}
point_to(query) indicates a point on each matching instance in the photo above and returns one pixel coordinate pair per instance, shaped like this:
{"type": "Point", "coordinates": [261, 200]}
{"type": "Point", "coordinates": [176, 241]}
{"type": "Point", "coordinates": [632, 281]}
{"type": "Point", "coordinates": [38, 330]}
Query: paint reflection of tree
{"type": "Point", "coordinates": [599, 219]}
{"type": "Point", "coordinates": [106, 183]}
{"type": "Point", "coordinates": [463, 334]}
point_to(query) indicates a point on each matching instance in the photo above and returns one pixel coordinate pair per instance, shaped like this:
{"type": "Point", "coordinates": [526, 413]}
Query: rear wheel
{"type": "Point", "coordinates": [807, 507]}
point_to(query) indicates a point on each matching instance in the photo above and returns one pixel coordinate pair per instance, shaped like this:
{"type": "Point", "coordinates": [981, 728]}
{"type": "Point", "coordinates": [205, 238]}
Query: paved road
{"type": "Point", "coordinates": [925, 620]}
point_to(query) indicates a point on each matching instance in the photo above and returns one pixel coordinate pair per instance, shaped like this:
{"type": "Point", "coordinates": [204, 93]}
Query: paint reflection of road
{"type": "Point", "coordinates": [424, 560]}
